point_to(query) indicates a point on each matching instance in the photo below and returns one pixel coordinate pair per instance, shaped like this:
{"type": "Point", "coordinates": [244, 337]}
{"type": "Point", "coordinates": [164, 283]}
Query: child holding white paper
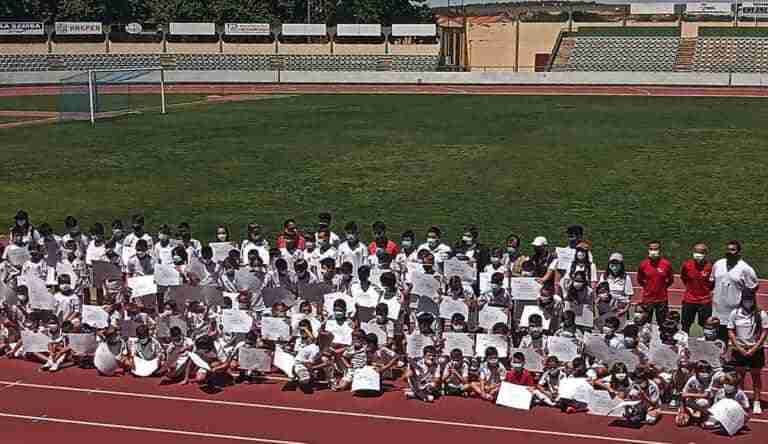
{"type": "Point", "coordinates": [729, 390]}
{"type": "Point", "coordinates": [353, 358]}
{"type": "Point", "coordinates": [382, 321]}
{"type": "Point", "coordinates": [67, 303]}
{"type": "Point", "coordinates": [308, 358]}
{"type": "Point", "coordinates": [145, 347]}
{"type": "Point", "coordinates": [535, 339]}
{"type": "Point", "coordinates": [492, 373]}
{"type": "Point", "coordinates": [248, 376]}
{"type": "Point", "coordinates": [423, 376]}
{"type": "Point", "coordinates": [381, 358]}
{"type": "Point", "coordinates": [546, 388]}
{"type": "Point", "coordinates": [117, 347]}
{"type": "Point", "coordinates": [647, 392]}
{"type": "Point", "coordinates": [617, 383]}
{"type": "Point", "coordinates": [697, 396]}
{"type": "Point", "coordinates": [177, 357]}
{"type": "Point", "coordinates": [58, 348]}
{"type": "Point", "coordinates": [455, 375]}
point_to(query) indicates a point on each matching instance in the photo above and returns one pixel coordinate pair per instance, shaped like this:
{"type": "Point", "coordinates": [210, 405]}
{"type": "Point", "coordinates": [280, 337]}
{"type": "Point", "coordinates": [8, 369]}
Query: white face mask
{"type": "Point", "coordinates": [581, 255]}
{"type": "Point", "coordinates": [495, 260]}
{"type": "Point", "coordinates": [653, 254]}
{"type": "Point", "coordinates": [162, 236]}
{"type": "Point", "coordinates": [407, 243]}
{"type": "Point", "coordinates": [432, 242]}
{"type": "Point", "coordinates": [698, 257]}
{"type": "Point", "coordinates": [467, 240]}
{"type": "Point", "coordinates": [222, 237]}
{"type": "Point", "coordinates": [578, 285]}
{"type": "Point", "coordinates": [517, 365]}
{"type": "Point", "coordinates": [621, 376]}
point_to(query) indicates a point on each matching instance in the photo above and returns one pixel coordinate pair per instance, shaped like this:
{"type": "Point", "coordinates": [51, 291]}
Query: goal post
{"type": "Point", "coordinates": [103, 93]}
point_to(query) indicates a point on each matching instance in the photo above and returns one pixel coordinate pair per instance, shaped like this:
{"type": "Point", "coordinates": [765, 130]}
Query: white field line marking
{"type": "Point", "coordinates": [147, 429]}
{"type": "Point", "coordinates": [11, 385]}
{"type": "Point", "coordinates": [339, 413]}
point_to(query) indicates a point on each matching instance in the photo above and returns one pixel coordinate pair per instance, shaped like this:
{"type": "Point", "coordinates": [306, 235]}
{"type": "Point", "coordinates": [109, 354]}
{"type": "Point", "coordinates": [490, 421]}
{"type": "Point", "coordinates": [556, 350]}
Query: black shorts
{"type": "Point", "coordinates": [757, 360]}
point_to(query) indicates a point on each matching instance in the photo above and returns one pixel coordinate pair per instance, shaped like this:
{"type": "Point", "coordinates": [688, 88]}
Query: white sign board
{"type": "Point", "coordinates": [514, 396]}
{"type": "Point", "coordinates": [144, 368]}
{"type": "Point", "coordinates": [133, 28]}
{"type": "Point", "coordinates": [221, 250]}
{"type": "Point", "coordinates": [450, 306]}
{"type": "Point", "coordinates": [351, 30]}
{"type": "Point", "coordinates": [105, 361]}
{"type": "Point", "coordinates": [483, 341]}
{"type": "Point", "coordinates": [142, 286]}
{"type": "Point", "coordinates": [95, 316]}
{"type": "Point", "coordinates": [729, 414]}
{"type": "Point", "coordinates": [563, 348]}
{"type": "Point", "coordinates": [284, 361]}
{"type": "Point", "coordinates": [21, 28]}
{"type": "Point", "coordinates": [250, 358]}
{"type": "Point", "coordinates": [462, 341]}
{"type": "Point", "coordinates": [651, 8]}
{"type": "Point", "coordinates": [247, 29]}
{"type": "Point", "coordinates": [490, 316]}
{"type": "Point", "coordinates": [275, 329]}
{"type": "Point", "coordinates": [33, 342]}
{"type": "Point", "coordinates": [193, 28]}
{"type": "Point", "coordinates": [236, 321]}
{"type": "Point", "coordinates": [753, 9]}
{"type": "Point", "coordinates": [530, 310]}
{"type": "Point", "coordinates": [428, 30]}
{"type": "Point", "coordinates": [524, 289]}
{"type": "Point", "coordinates": [78, 28]}
{"type": "Point", "coordinates": [366, 379]}
{"type": "Point", "coordinates": [304, 29]}
{"type": "Point", "coordinates": [708, 8]}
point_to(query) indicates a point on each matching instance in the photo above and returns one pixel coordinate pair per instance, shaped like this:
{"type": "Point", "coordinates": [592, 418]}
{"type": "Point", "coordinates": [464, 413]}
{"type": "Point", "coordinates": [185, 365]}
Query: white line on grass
{"type": "Point", "coordinates": [147, 429]}
{"type": "Point", "coordinates": [340, 413]}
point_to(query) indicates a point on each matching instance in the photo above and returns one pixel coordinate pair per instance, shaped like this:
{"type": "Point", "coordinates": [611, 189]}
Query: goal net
{"type": "Point", "coordinates": [98, 94]}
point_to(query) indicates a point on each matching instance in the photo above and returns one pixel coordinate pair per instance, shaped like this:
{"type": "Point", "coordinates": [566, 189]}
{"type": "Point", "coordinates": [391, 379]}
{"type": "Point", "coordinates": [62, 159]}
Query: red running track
{"type": "Point", "coordinates": [275, 88]}
{"type": "Point", "coordinates": [77, 405]}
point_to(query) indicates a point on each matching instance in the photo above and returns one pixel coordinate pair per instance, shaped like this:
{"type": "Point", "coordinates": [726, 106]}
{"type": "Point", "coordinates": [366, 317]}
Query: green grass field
{"type": "Point", "coordinates": [629, 168]}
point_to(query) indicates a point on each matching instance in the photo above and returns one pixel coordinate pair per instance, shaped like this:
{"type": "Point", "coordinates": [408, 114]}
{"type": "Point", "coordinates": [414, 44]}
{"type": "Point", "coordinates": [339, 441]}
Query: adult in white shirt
{"type": "Point", "coordinates": [731, 276]}
{"type": "Point", "coordinates": [434, 245]}
{"type": "Point", "coordinates": [352, 250]}
{"type": "Point", "coordinates": [747, 330]}
{"type": "Point", "coordinates": [325, 249]}
{"type": "Point", "coordinates": [255, 241]}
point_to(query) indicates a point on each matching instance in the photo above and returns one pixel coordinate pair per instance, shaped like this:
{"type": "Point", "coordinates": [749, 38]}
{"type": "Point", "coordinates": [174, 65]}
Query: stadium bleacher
{"type": "Point", "coordinates": [620, 53]}
{"type": "Point", "coordinates": [213, 62]}
{"type": "Point", "coordinates": [731, 54]}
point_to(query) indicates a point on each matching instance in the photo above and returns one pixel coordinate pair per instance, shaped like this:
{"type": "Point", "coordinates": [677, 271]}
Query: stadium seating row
{"type": "Point", "coordinates": [217, 62]}
{"type": "Point", "coordinates": [731, 54]}
{"type": "Point", "coordinates": [622, 54]}
{"type": "Point", "coordinates": [637, 53]}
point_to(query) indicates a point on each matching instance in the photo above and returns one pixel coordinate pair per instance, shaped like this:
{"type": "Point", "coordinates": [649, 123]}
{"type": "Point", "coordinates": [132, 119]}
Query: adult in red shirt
{"type": "Point", "coordinates": [382, 244]}
{"type": "Point", "coordinates": [517, 373]}
{"type": "Point", "coordinates": [655, 276]}
{"type": "Point", "coordinates": [697, 300]}
{"type": "Point", "coordinates": [290, 231]}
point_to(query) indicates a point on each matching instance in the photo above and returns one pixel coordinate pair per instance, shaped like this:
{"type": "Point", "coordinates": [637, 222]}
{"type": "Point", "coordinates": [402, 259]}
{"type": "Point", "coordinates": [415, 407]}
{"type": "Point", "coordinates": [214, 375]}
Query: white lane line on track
{"type": "Point", "coordinates": [42, 419]}
{"type": "Point", "coordinates": [341, 413]}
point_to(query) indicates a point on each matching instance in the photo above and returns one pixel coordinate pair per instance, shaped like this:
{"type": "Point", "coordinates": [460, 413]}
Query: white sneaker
{"type": "Point", "coordinates": [756, 408]}
{"type": "Point", "coordinates": [47, 365]}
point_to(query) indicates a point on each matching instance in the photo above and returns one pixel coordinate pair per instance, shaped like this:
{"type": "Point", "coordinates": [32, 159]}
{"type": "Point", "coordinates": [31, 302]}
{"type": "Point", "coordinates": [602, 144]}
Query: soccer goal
{"type": "Point", "coordinates": [105, 93]}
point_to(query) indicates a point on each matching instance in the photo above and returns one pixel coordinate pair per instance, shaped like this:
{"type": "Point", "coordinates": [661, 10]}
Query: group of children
{"type": "Point", "coordinates": [367, 316]}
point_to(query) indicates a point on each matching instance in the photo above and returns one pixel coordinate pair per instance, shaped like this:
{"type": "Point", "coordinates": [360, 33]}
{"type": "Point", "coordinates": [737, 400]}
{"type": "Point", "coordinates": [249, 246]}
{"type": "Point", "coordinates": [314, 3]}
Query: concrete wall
{"type": "Point", "coordinates": [493, 46]}
{"type": "Point", "coordinates": [450, 78]}
{"type": "Point", "coordinates": [691, 29]}
{"type": "Point", "coordinates": [359, 49]}
{"type": "Point", "coordinates": [414, 49]}
{"type": "Point", "coordinates": [23, 48]}
{"type": "Point", "coordinates": [79, 48]}
{"type": "Point", "coordinates": [249, 48]}
{"type": "Point", "coordinates": [135, 48]}
{"type": "Point", "coordinates": [576, 25]}
{"type": "Point", "coordinates": [536, 38]}
{"type": "Point", "coordinates": [192, 48]}
{"type": "Point", "coordinates": [305, 48]}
